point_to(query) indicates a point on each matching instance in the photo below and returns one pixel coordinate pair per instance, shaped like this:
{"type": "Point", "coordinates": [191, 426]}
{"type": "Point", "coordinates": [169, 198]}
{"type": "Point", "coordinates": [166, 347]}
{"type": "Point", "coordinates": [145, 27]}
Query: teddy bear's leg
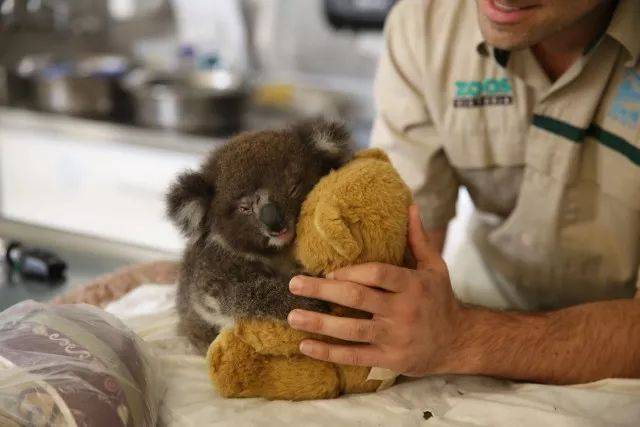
{"type": "Point", "coordinates": [270, 337]}
{"type": "Point", "coordinates": [353, 379]}
{"type": "Point", "coordinates": [238, 370]}
{"type": "Point", "coordinates": [234, 367]}
{"type": "Point", "coordinates": [299, 378]}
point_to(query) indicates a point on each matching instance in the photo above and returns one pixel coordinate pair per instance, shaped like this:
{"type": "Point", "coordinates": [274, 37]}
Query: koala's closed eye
{"type": "Point", "coordinates": [295, 189]}
{"type": "Point", "coordinates": [245, 209]}
{"type": "Point", "coordinates": [245, 205]}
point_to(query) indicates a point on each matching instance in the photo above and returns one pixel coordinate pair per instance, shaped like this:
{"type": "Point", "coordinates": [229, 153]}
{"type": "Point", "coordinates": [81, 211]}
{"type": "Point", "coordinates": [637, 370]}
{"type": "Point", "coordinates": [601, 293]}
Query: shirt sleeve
{"type": "Point", "coordinates": [403, 127]}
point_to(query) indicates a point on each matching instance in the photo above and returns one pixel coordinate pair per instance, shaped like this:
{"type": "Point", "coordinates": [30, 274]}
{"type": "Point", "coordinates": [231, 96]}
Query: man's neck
{"type": "Point", "coordinates": [558, 52]}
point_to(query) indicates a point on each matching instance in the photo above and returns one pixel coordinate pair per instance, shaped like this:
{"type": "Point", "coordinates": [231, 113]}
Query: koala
{"type": "Point", "coordinates": [239, 214]}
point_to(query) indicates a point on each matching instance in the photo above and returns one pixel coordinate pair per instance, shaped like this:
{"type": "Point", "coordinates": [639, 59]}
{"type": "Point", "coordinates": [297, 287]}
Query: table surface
{"type": "Point", "coordinates": [81, 268]}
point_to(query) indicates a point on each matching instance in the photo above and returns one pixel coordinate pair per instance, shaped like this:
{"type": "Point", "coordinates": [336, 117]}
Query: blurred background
{"type": "Point", "coordinates": [103, 102]}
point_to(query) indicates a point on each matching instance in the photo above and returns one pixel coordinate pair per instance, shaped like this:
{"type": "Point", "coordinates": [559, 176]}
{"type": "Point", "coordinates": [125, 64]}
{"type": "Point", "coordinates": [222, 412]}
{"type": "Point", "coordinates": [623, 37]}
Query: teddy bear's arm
{"type": "Point", "coordinates": [332, 226]}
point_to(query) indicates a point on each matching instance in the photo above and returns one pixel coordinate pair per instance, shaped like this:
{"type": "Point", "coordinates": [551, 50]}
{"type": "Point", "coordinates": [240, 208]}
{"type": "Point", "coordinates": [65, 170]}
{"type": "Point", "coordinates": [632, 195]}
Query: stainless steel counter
{"type": "Point", "coordinates": [82, 266]}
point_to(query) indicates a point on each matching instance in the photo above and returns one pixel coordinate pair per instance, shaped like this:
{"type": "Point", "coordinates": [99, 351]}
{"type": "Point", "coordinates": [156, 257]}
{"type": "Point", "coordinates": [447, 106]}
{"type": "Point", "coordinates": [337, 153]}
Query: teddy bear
{"type": "Point", "coordinates": [355, 214]}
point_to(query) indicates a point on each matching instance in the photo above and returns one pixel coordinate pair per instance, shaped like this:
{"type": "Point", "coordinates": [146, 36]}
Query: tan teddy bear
{"type": "Point", "coordinates": [356, 214]}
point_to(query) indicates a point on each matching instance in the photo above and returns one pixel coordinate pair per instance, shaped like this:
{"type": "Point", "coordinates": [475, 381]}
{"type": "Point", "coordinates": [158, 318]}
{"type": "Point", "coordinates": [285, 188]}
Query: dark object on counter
{"type": "Point", "coordinates": [357, 14]}
{"type": "Point", "coordinates": [35, 263]}
{"type": "Point", "coordinates": [4, 86]}
{"type": "Point", "coordinates": [205, 102]}
{"type": "Point", "coordinates": [86, 87]}
{"type": "Point", "coordinates": [17, 80]}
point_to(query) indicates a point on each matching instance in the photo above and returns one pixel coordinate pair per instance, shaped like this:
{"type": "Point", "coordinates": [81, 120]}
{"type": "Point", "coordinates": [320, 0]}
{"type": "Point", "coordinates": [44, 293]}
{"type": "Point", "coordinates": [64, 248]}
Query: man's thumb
{"type": "Point", "coordinates": [423, 251]}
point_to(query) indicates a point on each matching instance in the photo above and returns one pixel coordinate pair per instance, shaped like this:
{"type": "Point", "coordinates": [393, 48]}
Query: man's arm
{"type": "Point", "coordinates": [578, 344]}
{"type": "Point", "coordinates": [419, 328]}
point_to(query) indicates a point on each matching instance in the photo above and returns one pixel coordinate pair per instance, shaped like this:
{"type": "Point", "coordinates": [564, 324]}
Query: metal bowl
{"type": "Point", "coordinates": [4, 86]}
{"type": "Point", "coordinates": [16, 86]}
{"type": "Point", "coordinates": [88, 86]}
{"type": "Point", "coordinates": [200, 102]}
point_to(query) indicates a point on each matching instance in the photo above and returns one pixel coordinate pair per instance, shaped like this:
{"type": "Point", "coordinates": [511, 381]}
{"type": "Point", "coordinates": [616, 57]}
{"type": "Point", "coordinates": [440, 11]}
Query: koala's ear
{"type": "Point", "coordinates": [188, 200]}
{"type": "Point", "coordinates": [329, 139]}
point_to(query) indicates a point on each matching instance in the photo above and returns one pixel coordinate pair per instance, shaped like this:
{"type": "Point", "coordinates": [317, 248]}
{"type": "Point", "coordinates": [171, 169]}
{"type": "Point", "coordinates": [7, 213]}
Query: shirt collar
{"type": "Point", "coordinates": [623, 28]}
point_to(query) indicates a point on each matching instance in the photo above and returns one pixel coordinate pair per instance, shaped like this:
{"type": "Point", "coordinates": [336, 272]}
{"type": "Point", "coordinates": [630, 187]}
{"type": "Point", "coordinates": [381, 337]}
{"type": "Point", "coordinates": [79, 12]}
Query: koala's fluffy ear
{"type": "Point", "coordinates": [188, 200]}
{"type": "Point", "coordinates": [329, 139]}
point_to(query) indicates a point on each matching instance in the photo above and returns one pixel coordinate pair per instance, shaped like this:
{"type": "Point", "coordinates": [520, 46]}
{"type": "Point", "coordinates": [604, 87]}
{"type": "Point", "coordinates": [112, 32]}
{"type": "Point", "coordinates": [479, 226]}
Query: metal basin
{"type": "Point", "coordinates": [211, 102]}
{"type": "Point", "coordinates": [88, 87]}
{"type": "Point", "coordinates": [4, 85]}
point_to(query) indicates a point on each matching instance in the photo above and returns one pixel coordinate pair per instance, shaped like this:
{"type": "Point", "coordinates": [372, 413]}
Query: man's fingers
{"type": "Point", "coordinates": [344, 328]}
{"type": "Point", "coordinates": [357, 355]}
{"type": "Point", "coordinates": [384, 276]}
{"type": "Point", "coordinates": [422, 250]}
{"type": "Point", "coordinates": [344, 293]}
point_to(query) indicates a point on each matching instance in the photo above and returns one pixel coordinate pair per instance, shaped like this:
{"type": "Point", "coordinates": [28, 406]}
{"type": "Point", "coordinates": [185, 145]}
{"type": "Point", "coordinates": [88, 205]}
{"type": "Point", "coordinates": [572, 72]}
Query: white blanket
{"type": "Point", "coordinates": [444, 400]}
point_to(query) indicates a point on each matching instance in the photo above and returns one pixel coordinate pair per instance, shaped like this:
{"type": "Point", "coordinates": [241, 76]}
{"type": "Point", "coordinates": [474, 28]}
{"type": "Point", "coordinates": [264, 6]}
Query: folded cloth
{"type": "Point", "coordinates": [449, 401]}
{"type": "Point", "coordinates": [112, 286]}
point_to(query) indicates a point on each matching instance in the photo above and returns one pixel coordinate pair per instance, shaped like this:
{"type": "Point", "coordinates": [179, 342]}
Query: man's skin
{"type": "Point", "coordinates": [418, 326]}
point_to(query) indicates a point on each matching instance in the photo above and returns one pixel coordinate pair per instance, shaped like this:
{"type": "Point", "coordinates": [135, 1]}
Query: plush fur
{"type": "Point", "coordinates": [356, 214]}
{"type": "Point", "coordinates": [239, 212]}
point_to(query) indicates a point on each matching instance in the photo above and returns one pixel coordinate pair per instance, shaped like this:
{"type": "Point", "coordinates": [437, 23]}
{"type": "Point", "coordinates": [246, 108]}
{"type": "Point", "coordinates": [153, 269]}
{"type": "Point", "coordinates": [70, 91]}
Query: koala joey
{"type": "Point", "coordinates": [239, 213]}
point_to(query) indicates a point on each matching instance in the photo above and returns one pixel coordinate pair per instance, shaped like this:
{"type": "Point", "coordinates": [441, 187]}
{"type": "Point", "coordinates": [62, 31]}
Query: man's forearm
{"type": "Point", "coordinates": [573, 345]}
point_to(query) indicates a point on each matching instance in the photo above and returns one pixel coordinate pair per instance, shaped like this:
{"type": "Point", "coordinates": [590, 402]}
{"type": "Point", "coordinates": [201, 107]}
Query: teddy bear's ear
{"type": "Point", "coordinates": [332, 227]}
{"type": "Point", "coordinates": [373, 153]}
{"type": "Point", "coordinates": [329, 139]}
{"type": "Point", "coordinates": [188, 200]}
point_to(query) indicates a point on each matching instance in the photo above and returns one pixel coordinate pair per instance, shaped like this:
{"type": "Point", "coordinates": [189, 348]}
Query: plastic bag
{"type": "Point", "coordinates": [73, 365]}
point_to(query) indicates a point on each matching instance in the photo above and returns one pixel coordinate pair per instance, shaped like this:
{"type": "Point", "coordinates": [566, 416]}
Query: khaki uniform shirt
{"type": "Point", "coordinates": [553, 168]}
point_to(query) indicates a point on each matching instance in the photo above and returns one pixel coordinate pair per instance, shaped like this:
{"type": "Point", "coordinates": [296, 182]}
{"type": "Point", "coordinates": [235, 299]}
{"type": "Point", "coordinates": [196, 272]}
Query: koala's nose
{"type": "Point", "coordinates": [272, 217]}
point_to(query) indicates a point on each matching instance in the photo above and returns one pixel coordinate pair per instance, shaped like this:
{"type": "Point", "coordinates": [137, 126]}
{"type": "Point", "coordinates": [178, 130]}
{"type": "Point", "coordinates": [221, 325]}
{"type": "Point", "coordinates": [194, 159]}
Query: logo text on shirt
{"type": "Point", "coordinates": [625, 107]}
{"type": "Point", "coordinates": [477, 93]}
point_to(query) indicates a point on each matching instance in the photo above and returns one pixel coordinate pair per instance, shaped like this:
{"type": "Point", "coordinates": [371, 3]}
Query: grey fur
{"type": "Point", "coordinates": [232, 267]}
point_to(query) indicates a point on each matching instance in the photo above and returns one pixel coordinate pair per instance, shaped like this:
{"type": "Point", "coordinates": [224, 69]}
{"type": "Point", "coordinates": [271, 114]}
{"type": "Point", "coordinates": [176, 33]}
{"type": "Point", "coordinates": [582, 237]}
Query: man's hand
{"type": "Point", "coordinates": [418, 327]}
{"type": "Point", "coordinates": [416, 318]}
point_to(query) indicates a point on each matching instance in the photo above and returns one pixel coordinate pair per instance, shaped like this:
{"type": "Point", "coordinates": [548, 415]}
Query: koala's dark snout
{"type": "Point", "coordinates": [272, 217]}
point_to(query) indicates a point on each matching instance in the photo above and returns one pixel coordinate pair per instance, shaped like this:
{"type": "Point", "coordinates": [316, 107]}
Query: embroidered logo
{"type": "Point", "coordinates": [476, 93]}
{"type": "Point", "coordinates": [625, 107]}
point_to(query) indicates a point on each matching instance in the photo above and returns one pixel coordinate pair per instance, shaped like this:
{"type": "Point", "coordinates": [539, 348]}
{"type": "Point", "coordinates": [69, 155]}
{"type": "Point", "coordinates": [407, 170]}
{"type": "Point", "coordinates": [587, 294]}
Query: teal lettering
{"type": "Point", "coordinates": [461, 88]}
{"type": "Point", "coordinates": [475, 88]}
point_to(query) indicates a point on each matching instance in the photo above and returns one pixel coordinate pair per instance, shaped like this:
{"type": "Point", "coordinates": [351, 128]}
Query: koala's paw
{"type": "Point", "coordinates": [314, 305]}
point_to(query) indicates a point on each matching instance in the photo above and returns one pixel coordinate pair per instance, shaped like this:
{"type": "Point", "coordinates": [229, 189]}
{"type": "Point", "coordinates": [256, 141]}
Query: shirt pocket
{"type": "Point", "coordinates": [616, 172]}
{"type": "Point", "coordinates": [490, 166]}
{"type": "Point", "coordinates": [600, 219]}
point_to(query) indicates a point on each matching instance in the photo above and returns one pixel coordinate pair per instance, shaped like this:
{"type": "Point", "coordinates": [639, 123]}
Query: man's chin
{"type": "Point", "coordinates": [506, 38]}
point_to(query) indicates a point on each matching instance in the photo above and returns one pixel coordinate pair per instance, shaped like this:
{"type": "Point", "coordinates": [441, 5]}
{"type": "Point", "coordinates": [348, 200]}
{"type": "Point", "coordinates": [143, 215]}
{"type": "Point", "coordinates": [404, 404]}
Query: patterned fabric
{"type": "Point", "coordinates": [73, 365]}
